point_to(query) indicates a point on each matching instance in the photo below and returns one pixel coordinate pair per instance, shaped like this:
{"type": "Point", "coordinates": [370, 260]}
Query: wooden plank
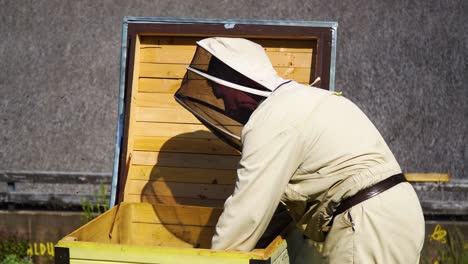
{"type": "Point", "coordinates": [164, 100]}
{"type": "Point", "coordinates": [301, 75]}
{"type": "Point", "coordinates": [183, 56]}
{"type": "Point", "coordinates": [290, 59]}
{"type": "Point", "coordinates": [158, 85]}
{"type": "Point", "coordinates": [184, 145]}
{"type": "Point", "coordinates": [143, 234]}
{"type": "Point", "coordinates": [167, 115]}
{"type": "Point", "coordinates": [162, 70]}
{"type": "Point", "coordinates": [172, 130]}
{"type": "Point", "coordinates": [175, 215]}
{"type": "Point", "coordinates": [179, 189]}
{"type": "Point", "coordinates": [171, 200]}
{"type": "Point", "coordinates": [96, 253]}
{"type": "Point", "coordinates": [157, 41]}
{"type": "Point", "coordinates": [176, 115]}
{"type": "Point", "coordinates": [131, 114]}
{"type": "Point", "coordinates": [184, 160]}
{"type": "Point", "coordinates": [286, 45]}
{"type": "Point", "coordinates": [178, 71]}
{"type": "Point", "coordinates": [428, 177]}
{"type": "Point", "coordinates": [172, 174]}
{"type": "Point", "coordinates": [167, 54]}
{"type": "Point", "coordinates": [136, 76]}
{"type": "Point", "coordinates": [269, 44]}
{"type": "Point", "coordinates": [97, 230]}
{"type": "Point", "coordinates": [171, 235]}
{"type": "Point", "coordinates": [170, 86]}
{"type": "Point", "coordinates": [126, 212]}
{"type": "Point", "coordinates": [93, 261]}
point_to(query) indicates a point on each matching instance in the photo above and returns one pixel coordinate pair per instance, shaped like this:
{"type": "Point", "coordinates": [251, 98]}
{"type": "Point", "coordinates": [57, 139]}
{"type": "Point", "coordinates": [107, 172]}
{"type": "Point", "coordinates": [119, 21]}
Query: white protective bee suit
{"type": "Point", "coordinates": [307, 148]}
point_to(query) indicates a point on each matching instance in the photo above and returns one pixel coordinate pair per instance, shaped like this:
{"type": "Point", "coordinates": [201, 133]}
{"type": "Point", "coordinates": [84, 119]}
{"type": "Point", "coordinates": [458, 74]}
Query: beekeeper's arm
{"type": "Point", "coordinates": [269, 159]}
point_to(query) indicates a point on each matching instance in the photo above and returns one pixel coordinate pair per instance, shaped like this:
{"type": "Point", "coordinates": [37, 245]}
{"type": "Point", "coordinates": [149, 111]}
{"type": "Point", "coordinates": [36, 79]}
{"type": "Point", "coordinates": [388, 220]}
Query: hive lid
{"type": "Point", "coordinates": [154, 55]}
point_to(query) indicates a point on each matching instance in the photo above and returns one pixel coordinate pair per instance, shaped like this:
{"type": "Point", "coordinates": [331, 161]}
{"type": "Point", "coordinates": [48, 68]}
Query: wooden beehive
{"type": "Point", "coordinates": [172, 175]}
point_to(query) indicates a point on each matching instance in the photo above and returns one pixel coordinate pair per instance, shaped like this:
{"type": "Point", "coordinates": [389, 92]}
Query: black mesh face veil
{"type": "Point", "coordinates": [220, 97]}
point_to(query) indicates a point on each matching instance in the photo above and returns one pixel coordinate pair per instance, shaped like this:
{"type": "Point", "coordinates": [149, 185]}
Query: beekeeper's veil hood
{"type": "Point", "coordinates": [226, 81]}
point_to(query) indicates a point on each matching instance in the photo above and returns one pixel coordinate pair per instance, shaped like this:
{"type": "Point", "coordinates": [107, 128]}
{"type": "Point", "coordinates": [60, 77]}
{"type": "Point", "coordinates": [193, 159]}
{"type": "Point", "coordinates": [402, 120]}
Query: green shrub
{"type": "Point", "coordinates": [13, 250]}
{"type": "Point", "coordinates": [14, 259]}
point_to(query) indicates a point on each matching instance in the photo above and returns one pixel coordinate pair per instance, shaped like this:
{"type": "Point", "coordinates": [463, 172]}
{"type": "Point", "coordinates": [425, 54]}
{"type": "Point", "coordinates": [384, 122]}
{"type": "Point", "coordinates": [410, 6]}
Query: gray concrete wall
{"type": "Point", "coordinates": [403, 62]}
{"type": "Point", "coordinates": [37, 231]}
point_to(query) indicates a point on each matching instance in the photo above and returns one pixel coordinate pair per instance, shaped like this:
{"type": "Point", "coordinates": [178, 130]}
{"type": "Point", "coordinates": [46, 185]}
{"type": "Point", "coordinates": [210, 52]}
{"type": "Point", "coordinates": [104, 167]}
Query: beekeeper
{"type": "Point", "coordinates": [308, 148]}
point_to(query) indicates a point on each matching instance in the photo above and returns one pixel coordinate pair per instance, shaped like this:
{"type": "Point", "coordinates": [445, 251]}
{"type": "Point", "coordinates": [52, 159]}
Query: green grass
{"type": "Point", "coordinates": [99, 205]}
{"type": "Point", "coordinates": [445, 246]}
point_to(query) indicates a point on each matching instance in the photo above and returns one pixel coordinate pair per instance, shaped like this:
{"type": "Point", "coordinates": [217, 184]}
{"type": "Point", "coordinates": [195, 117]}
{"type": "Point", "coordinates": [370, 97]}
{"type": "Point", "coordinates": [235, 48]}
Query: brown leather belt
{"type": "Point", "coordinates": [369, 192]}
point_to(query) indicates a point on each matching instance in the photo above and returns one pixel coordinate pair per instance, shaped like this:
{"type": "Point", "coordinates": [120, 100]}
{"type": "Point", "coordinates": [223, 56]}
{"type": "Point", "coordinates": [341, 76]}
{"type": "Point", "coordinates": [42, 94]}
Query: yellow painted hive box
{"type": "Point", "coordinates": [171, 174]}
